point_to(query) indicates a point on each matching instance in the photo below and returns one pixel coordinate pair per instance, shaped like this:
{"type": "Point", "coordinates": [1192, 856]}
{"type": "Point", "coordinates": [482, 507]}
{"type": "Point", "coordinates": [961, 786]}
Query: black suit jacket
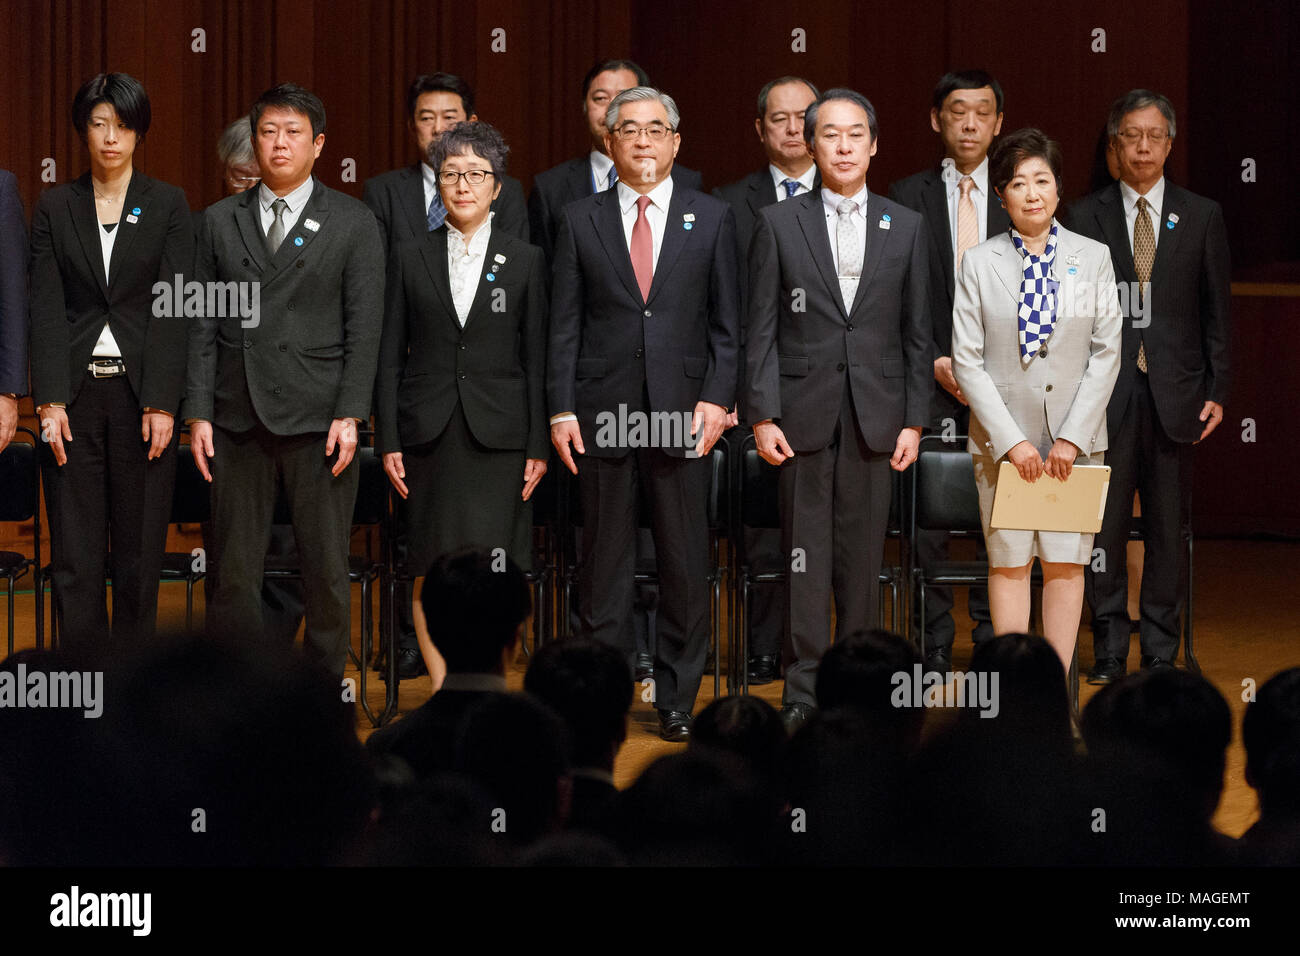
{"type": "Point", "coordinates": [747, 198]}
{"type": "Point", "coordinates": [495, 366]}
{"type": "Point", "coordinates": [71, 299]}
{"type": "Point", "coordinates": [15, 319]}
{"type": "Point", "coordinates": [571, 180]}
{"type": "Point", "coordinates": [802, 345]}
{"type": "Point", "coordinates": [397, 200]}
{"type": "Point", "coordinates": [312, 355]}
{"type": "Point", "coordinates": [1187, 338]}
{"type": "Point", "coordinates": [426, 737]}
{"type": "Point", "coordinates": [927, 193]}
{"type": "Point", "coordinates": [609, 347]}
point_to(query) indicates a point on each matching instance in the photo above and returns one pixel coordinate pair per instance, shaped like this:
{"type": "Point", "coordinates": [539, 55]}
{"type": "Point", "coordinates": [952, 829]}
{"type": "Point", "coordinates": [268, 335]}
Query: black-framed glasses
{"type": "Point", "coordinates": [657, 132]}
{"type": "Point", "coordinates": [475, 177]}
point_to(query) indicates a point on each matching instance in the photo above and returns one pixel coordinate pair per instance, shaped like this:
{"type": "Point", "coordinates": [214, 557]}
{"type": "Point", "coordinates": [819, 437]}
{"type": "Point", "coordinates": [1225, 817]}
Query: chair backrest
{"type": "Point", "coordinates": [19, 479]}
{"type": "Point", "coordinates": [372, 488]}
{"type": "Point", "coordinates": [191, 496]}
{"type": "Point", "coordinates": [944, 496]}
{"type": "Point", "coordinates": [759, 489]}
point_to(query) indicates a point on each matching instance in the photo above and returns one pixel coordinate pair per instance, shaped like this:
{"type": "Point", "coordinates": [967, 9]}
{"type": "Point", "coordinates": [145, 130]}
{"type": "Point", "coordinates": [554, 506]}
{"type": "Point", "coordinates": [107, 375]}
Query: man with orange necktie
{"type": "Point", "coordinates": [960, 211]}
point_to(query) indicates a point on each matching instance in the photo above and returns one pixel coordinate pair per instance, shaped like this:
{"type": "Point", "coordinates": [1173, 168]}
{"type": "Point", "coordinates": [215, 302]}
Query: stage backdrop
{"type": "Point", "coordinates": [1224, 67]}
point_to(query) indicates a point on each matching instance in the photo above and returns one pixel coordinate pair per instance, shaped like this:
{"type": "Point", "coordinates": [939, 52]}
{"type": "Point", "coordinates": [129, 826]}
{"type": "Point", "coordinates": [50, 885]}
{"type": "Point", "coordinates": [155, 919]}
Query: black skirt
{"type": "Point", "coordinates": [465, 495]}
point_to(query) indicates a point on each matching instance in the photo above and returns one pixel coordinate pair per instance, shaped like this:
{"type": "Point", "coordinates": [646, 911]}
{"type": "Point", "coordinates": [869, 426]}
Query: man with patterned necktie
{"type": "Point", "coordinates": [839, 369]}
{"type": "Point", "coordinates": [1170, 247]}
{"type": "Point", "coordinates": [960, 211]}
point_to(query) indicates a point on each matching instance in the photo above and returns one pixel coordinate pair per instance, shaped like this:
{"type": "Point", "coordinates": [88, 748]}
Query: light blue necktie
{"type": "Point", "coordinates": [437, 211]}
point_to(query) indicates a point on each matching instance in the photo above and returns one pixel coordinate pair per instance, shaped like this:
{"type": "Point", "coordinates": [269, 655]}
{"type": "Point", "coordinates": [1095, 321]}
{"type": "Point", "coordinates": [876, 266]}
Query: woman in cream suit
{"type": "Point", "coordinates": [1036, 334]}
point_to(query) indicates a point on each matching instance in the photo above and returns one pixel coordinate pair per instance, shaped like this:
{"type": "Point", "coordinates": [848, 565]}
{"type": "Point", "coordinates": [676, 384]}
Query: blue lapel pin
{"type": "Point", "coordinates": [297, 240]}
{"type": "Point", "coordinates": [491, 277]}
{"type": "Point", "coordinates": [135, 211]}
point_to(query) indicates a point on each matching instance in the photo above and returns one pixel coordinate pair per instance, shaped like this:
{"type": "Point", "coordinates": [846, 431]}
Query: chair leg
{"type": "Point", "coordinates": [11, 616]}
{"type": "Point", "coordinates": [1192, 664]}
{"type": "Point", "coordinates": [189, 606]}
{"type": "Point", "coordinates": [1074, 681]}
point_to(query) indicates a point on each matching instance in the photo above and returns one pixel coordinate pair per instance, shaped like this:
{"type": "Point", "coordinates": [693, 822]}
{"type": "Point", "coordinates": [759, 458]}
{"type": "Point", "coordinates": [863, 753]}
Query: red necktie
{"type": "Point", "coordinates": [642, 250]}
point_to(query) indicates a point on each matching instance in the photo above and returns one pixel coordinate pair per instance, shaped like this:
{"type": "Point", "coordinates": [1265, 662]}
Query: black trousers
{"type": "Point", "coordinates": [108, 508]}
{"type": "Point", "coordinates": [834, 510]}
{"type": "Point", "coordinates": [1142, 458]}
{"type": "Point", "coordinates": [245, 469]}
{"type": "Point", "coordinates": [678, 492]}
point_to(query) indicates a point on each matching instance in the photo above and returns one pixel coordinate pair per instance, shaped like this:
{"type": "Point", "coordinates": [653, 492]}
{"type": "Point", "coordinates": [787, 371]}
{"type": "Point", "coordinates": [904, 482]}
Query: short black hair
{"type": "Point", "coordinates": [482, 139]}
{"type": "Point", "coordinates": [1014, 148]}
{"type": "Point", "coordinates": [965, 80]}
{"type": "Point", "coordinates": [589, 684]}
{"type": "Point", "coordinates": [473, 609]}
{"type": "Point", "coordinates": [289, 96]}
{"type": "Point", "coordinates": [439, 83]}
{"type": "Point", "coordinates": [857, 671]}
{"type": "Point", "coordinates": [1271, 731]}
{"type": "Point", "coordinates": [121, 91]}
{"type": "Point", "coordinates": [780, 81]}
{"type": "Point", "coordinates": [839, 93]}
{"type": "Point", "coordinates": [642, 77]}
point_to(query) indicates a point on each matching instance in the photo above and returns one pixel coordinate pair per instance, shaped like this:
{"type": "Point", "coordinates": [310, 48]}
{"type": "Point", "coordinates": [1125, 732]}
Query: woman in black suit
{"type": "Point", "coordinates": [461, 417]}
{"type": "Point", "coordinates": [107, 369]}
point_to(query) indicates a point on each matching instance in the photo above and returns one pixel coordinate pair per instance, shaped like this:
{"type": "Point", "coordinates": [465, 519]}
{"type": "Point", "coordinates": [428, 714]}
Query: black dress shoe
{"type": "Point", "coordinates": [409, 664]}
{"type": "Point", "coordinates": [1153, 663]}
{"type": "Point", "coordinates": [764, 668]}
{"type": "Point", "coordinates": [938, 661]}
{"type": "Point", "coordinates": [675, 726]}
{"type": "Point", "coordinates": [645, 668]}
{"type": "Point", "coordinates": [794, 715]}
{"type": "Point", "coordinates": [1106, 669]}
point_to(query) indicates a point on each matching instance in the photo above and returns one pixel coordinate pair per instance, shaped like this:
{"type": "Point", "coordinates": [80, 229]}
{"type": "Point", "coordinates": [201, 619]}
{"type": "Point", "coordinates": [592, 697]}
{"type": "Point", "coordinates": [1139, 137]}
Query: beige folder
{"type": "Point", "coordinates": [1049, 504]}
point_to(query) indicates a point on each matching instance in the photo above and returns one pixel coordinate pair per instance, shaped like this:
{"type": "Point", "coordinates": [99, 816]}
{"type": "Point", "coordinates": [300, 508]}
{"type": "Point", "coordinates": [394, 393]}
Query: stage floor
{"type": "Point", "coordinates": [1244, 632]}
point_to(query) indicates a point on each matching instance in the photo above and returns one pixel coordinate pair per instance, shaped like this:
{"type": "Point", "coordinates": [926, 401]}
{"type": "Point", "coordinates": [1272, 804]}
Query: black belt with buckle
{"type": "Point", "coordinates": [107, 368]}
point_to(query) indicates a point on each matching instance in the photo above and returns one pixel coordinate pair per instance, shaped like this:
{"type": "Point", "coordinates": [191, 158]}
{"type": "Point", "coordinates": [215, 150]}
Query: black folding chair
{"type": "Point", "coordinates": [758, 507]}
{"type": "Point", "coordinates": [945, 498]}
{"type": "Point", "coordinates": [191, 504]}
{"type": "Point", "coordinates": [20, 476]}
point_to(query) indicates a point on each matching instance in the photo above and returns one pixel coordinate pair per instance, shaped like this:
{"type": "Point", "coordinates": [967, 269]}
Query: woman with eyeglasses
{"type": "Point", "coordinates": [107, 369]}
{"type": "Point", "coordinates": [460, 412]}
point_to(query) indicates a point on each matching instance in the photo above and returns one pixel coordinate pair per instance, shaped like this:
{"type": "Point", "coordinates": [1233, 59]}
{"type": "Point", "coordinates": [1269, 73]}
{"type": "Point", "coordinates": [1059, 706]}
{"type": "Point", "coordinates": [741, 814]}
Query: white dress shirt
{"type": "Point", "coordinates": [979, 195]}
{"type": "Point", "coordinates": [831, 203]}
{"type": "Point", "coordinates": [1155, 197]}
{"type": "Point", "coordinates": [430, 179]}
{"type": "Point", "coordinates": [106, 346]}
{"type": "Point", "coordinates": [294, 203]}
{"type": "Point", "coordinates": [600, 167]}
{"type": "Point", "coordinates": [805, 181]}
{"type": "Point", "coordinates": [465, 265]}
{"type": "Point", "coordinates": [656, 213]}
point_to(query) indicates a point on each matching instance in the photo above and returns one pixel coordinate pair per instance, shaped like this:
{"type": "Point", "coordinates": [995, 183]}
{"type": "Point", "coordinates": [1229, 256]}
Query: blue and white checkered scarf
{"type": "Point", "coordinates": [1038, 288]}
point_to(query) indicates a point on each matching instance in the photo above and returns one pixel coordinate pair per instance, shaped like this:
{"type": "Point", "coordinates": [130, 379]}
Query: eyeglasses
{"type": "Point", "coordinates": [1134, 135]}
{"type": "Point", "coordinates": [475, 177]}
{"type": "Point", "coordinates": [245, 181]}
{"type": "Point", "coordinates": [656, 131]}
